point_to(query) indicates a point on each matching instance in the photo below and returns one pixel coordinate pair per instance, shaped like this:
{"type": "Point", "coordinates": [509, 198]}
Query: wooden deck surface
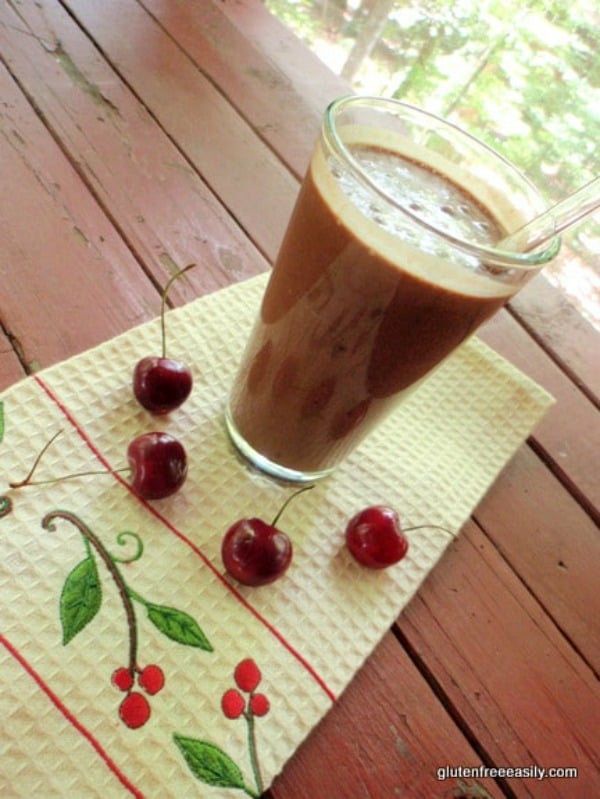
{"type": "Point", "coordinates": [140, 135]}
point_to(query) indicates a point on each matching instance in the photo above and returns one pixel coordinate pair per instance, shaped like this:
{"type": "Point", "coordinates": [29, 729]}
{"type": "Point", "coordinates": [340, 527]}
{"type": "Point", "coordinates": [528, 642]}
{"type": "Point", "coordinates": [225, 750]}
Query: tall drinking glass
{"type": "Point", "coordinates": [389, 262]}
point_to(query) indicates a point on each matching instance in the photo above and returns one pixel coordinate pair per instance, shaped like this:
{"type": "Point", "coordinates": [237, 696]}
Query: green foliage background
{"type": "Point", "coordinates": [523, 76]}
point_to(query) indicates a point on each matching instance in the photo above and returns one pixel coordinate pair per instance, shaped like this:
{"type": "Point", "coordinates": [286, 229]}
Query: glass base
{"type": "Point", "coordinates": [265, 465]}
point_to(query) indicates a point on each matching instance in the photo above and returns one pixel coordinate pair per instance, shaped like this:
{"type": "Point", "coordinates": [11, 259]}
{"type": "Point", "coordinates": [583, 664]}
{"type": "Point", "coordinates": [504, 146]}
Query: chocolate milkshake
{"type": "Point", "coordinates": [363, 302]}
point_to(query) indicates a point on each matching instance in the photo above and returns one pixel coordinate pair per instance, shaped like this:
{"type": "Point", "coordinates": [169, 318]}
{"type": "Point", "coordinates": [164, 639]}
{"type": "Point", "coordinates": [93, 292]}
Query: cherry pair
{"type": "Point", "coordinates": [157, 461]}
{"type": "Point", "coordinates": [256, 553]}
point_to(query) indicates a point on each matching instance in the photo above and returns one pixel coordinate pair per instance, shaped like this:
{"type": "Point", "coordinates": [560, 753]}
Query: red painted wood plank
{"type": "Point", "coordinates": [569, 434]}
{"type": "Point", "coordinates": [551, 543]}
{"type": "Point", "coordinates": [69, 282]}
{"type": "Point", "coordinates": [396, 751]}
{"type": "Point", "coordinates": [283, 90]}
{"type": "Point", "coordinates": [506, 669]}
{"type": "Point", "coordinates": [230, 156]}
{"type": "Point", "coordinates": [559, 326]}
{"type": "Point", "coordinates": [163, 209]}
{"type": "Point", "coordinates": [10, 367]}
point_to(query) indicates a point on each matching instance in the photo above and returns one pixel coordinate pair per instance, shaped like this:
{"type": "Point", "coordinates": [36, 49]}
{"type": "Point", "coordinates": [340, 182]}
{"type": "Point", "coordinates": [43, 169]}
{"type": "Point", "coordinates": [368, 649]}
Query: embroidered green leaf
{"type": "Point", "coordinates": [80, 599]}
{"type": "Point", "coordinates": [5, 506]}
{"type": "Point", "coordinates": [1, 421]}
{"type": "Point", "coordinates": [211, 765]}
{"type": "Point", "coordinates": [178, 626]}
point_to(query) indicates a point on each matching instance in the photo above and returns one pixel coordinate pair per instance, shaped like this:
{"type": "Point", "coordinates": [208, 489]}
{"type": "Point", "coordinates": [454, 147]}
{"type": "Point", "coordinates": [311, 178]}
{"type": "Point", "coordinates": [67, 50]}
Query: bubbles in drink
{"type": "Point", "coordinates": [377, 213]}
{"type": "Point", "coordinates": [437, 202]}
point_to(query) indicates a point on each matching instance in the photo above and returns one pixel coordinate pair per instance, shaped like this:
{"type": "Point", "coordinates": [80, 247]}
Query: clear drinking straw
{"type": "Point", "coordinates": [555, 220]}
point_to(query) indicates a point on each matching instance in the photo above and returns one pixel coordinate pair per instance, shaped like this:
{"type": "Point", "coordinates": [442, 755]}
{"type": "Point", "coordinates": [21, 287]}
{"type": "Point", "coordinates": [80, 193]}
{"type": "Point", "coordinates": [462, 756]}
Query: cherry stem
{"type": "Point", "coordinates": [62, 478]}
{"type": "Point", "coordinates": [27, 480]}
{"type": "Point", "coordinates": [163, 328]}
{"type": "Point", "coordinates": [287, 502]}
{"type": "Point", "coordinates": [430, 527]}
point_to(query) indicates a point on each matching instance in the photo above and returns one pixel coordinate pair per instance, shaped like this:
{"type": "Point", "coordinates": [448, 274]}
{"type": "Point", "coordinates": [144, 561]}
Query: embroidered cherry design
{"type": "Point", "coordinates": [162, 384]}
{"type": "Point", "coordinates": [247, 675]}
{"type": "Point", "coordinates": [259, 705]}
{"type": "Point", "coordinates": [81, 599]}
{"type": "Point", "coordinates": [256, 553]}
{"type": "Point", "coordinates": [152, 679]}
{"type": "Point", "coordinates": [134, 710]}
{"type": "Point", "coordinates": [122, 678]}
{"type": "Point", "coordinates": [157, 466]}
{"type": "Point", "coordinates": [208, 762]}
{"type": "Point", "coordinates": [233, 704]}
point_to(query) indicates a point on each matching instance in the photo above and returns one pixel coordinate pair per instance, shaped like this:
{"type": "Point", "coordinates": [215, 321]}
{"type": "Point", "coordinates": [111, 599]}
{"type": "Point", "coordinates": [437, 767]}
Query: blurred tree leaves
{"type": "Point", "coordinates": [523, 76]}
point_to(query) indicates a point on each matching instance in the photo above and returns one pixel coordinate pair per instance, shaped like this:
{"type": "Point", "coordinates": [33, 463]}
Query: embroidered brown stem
{"type": "Point", "coordinates": [88, 535]}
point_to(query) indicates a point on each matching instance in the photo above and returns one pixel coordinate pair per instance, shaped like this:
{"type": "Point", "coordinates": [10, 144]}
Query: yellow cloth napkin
{"type": "Point", "coordinates": [92, 579]}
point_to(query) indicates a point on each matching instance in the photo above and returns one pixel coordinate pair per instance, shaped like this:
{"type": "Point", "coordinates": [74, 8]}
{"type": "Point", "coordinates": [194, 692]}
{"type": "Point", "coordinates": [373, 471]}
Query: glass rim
{"type": "Point", "coordinates": [523, 260]}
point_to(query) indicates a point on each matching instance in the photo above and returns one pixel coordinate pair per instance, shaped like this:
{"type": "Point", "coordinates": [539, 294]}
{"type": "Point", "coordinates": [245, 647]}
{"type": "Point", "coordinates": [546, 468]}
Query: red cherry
{"type": "Point", "coordinates": [247, 675]}
{"type": "Point", "coordinates": [161, 384]}
{"type": "Point", "coordinates": [256, 553]}
{"type": "Point", "coordinates": [374, 537]}
{"type": "Point", "coordinates": [158, 463]}
{"type": "Point", "coordinates": [232, 704]}
{"type": "Point", "coordinates": [122, 678]}
{"type": "Point", "coordinates": [152, 679]}
{"type": "Point", "coordinates": [259, 705]}
{"type": "Point", "coordinates": [134, 710]}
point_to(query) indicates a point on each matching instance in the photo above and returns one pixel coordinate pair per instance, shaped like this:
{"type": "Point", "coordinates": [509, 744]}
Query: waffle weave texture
{"type": "Point", "coordinates": [65, 626]}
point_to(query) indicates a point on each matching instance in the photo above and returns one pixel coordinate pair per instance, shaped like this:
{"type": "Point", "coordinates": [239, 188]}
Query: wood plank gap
{"type": "Point", "coordinates": [17, 348]}
{"type": "Point", "coordinates": [165, 131]}
{"type": "Point", "coordinates": [450, 708]}
{"type": "Point", "coordinates": [218, 87]}
{"type": "Point", "coordinates": [560, 629]}
{"type": "Point", "coordinates": [570, 373]}
{"type": "Point", "coordinates": [555, 468]}
{"type": "Point", "coordinates": [89, 186]}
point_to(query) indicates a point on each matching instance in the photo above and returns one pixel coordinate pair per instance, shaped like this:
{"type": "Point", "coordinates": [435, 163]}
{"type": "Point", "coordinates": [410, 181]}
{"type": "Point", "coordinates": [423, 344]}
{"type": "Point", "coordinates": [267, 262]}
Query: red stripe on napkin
{"type": "Point", "coordinates": [241, 599]}
{"type": "Point", "coordinates": [70, 717]}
